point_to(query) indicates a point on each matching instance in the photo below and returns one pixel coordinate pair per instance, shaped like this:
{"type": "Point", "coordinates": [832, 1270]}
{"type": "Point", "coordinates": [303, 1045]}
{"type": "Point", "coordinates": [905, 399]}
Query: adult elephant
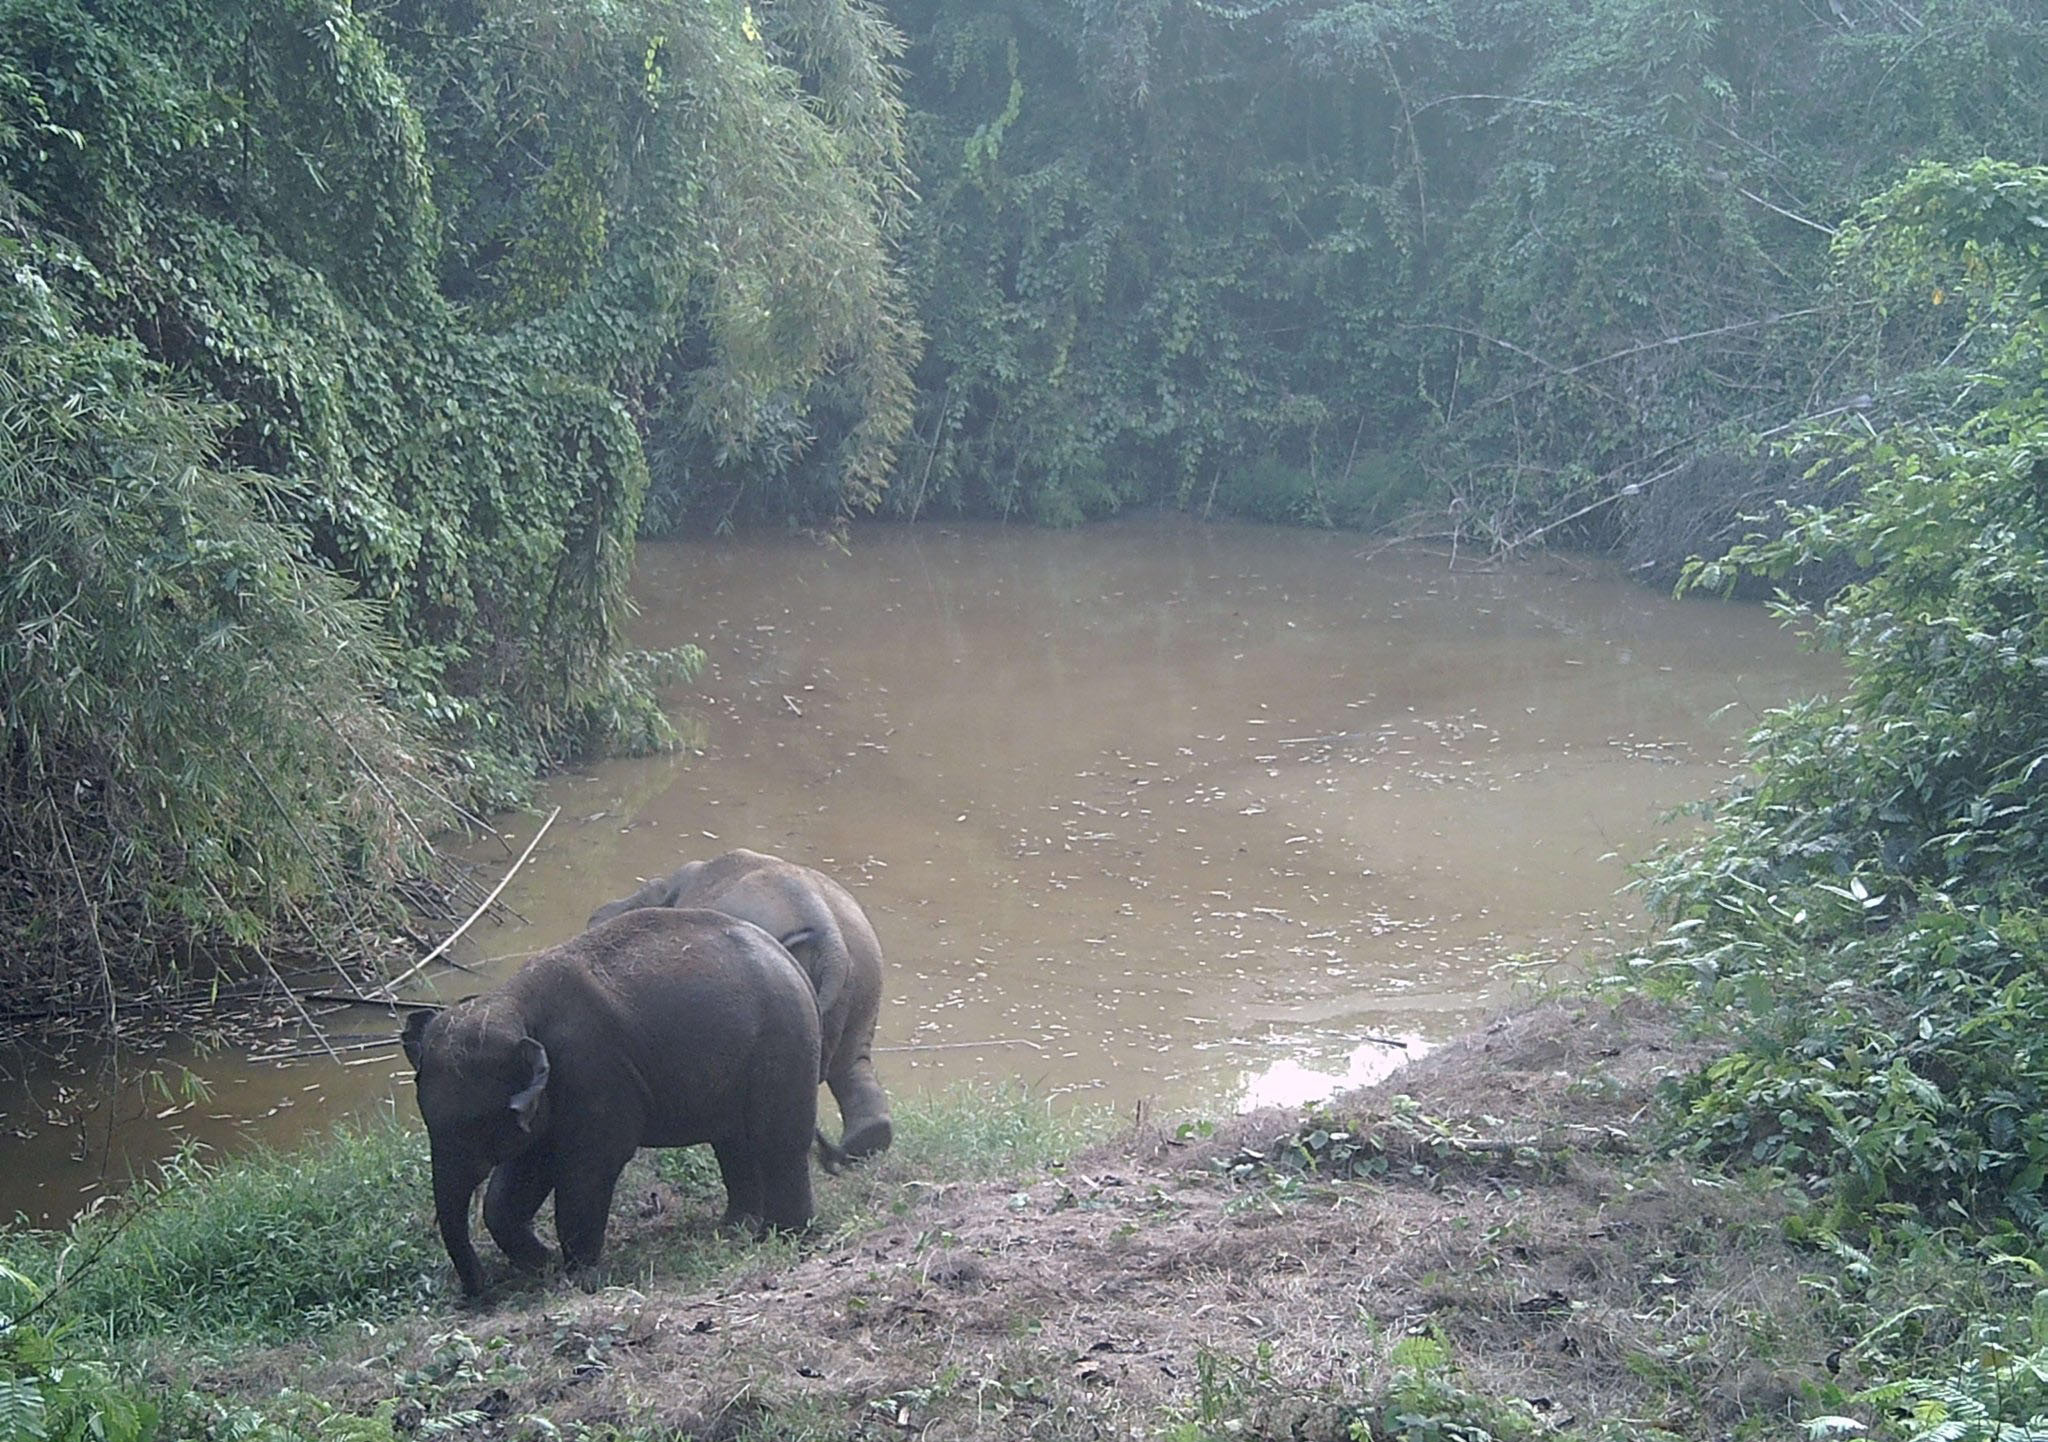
{"type": "Point", "coordinates": [658, 1029]}
{"type": "Point", "coordinates": [825, 929]}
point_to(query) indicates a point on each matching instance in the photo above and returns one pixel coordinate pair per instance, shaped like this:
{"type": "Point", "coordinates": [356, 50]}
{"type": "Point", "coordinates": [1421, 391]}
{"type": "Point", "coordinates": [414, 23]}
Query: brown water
{"type": "Point", "coordinates": [1199, 816]}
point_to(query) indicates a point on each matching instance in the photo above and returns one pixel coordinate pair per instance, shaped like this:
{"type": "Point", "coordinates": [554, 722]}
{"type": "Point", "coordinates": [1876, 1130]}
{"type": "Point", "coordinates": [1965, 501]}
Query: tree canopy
{"type": "Point", "coordinates": [362, 342]}
{"type": "Point", "coordinates": [340, 340]}
{"type": "Point", "coordinates": [1320, 260]}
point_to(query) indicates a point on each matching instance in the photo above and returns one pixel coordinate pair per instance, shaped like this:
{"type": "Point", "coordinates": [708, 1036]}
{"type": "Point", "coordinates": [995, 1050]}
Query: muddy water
{"type": "Point", "coordinates": [1149, 812]}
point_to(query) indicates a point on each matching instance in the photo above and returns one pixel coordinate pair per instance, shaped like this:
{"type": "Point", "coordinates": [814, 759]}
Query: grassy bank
{"type": "Point", "coordinates": [275, 1245]}
{"type": "Point", "coordinates": [1509, 1240]}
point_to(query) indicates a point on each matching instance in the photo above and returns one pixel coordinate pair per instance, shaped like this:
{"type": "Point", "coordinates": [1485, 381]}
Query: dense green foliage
{"type": "Point", "coordinates": [50, 1394]}
{"type": "Point", "coordinates": [1875, 897]}
{"type": "Point", "coordinates": [409, 318]}
{"type": "Point", "coordinates": [337, 344]}
{"type": "Point", "coordinates": [151, 592]}
{"type": "Point", "coordinates": [1296, 260]}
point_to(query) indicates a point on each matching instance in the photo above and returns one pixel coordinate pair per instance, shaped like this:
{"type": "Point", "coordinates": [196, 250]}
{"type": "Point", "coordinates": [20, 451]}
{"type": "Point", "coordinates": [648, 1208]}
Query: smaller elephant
{"type": "Point", "coordinates": [821, 924]}
{"type": "Point", "coordinates": [658, 1029]}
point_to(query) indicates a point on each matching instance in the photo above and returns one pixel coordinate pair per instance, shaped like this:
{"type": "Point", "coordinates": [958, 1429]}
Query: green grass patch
{"type": "Point", "coordinates": [271, 1245]}
{"type": "Point", "coordinates": [978, 1131]}
{"type": "Point", "coordinates": [260, 1246]}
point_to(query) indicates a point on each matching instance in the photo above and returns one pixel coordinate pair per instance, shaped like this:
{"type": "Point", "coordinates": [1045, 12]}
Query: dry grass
{"type": "Point", "coordinates": [1143, 1288]}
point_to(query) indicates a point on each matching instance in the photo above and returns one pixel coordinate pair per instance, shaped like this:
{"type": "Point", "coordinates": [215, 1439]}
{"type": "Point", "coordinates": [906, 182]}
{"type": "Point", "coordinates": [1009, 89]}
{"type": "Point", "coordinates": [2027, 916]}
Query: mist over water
{"type": "Point", "coordinates": [1202, 816]}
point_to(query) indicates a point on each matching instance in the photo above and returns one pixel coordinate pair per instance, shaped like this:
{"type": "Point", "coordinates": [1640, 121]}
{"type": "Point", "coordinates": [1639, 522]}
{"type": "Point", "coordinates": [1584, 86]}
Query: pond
{"type": "Point", "coordinates": [1195, 817]}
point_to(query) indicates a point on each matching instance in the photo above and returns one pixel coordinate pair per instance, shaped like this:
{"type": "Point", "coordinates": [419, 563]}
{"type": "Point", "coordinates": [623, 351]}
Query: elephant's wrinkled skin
{"type": "Point", "coordinates": [828, 933]}
{"type": "Point", "coordinates": [658, 1029]}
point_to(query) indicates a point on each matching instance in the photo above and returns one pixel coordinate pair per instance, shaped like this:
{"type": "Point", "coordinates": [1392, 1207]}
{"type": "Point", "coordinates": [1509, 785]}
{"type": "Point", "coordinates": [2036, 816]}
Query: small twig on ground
{"type": "Point", "coordinates": [1548, 1143]}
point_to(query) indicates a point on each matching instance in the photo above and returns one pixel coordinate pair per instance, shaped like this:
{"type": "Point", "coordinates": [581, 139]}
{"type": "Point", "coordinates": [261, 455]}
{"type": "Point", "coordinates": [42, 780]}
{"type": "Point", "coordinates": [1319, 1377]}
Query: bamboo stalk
{"type": "Point", "coordinates": [283, 986]}
{"type": "Point", "coordinates": [384, 993]}
{"type": "Point", "coordinates": [332, 1049]}
{"type": "Point", "coordinates": [92, 919]}
{"type": "Point", "coordinates": [959, 1045]}
{"type": "Point", "coordinates": [346, 1000]}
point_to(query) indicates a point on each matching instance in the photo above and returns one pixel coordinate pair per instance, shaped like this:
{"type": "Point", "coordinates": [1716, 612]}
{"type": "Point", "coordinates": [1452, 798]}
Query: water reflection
{"type": "Point", "coordinates": [1304, 1076]}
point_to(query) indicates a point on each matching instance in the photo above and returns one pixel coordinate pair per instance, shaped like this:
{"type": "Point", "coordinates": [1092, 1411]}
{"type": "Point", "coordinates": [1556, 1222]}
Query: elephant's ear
{"type": "Point", "coordinates": [415, 1035]}
{"type": "Point", "coordinates": [525, 1102]}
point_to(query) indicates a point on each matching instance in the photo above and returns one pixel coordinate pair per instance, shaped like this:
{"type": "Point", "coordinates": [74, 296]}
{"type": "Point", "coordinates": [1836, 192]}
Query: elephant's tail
{"type": "Point", "coordinates": [830, 1157]}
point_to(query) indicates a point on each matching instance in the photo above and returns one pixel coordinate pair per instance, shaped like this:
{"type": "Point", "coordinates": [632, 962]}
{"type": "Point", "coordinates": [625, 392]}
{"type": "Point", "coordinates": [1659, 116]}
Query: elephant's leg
{"type": "Point", "coordinates": [865, 1127]}
{"type": "Point", "coordinates": [786, 1190]}
{"type": "Point", "coordinates": [742, 1174]}
{"type": "Point", "coordinates": [517, 1189]}
{"type": "Point", "coordinates": [782, 1119]}
{"type": "Point", "coordinates": [583, 1205]}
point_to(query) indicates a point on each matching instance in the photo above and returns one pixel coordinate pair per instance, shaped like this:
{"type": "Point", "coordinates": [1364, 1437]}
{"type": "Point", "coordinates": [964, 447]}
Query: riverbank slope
{"type": "Point", "coordinates": [1489, 1239]}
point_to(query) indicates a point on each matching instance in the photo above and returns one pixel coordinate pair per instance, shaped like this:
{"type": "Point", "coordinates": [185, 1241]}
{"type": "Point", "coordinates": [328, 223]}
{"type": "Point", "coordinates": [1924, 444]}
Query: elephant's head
{"type": "Point", "coordinates": [482, 1082]}
{"type": "Point", "coordinates": [662, 891]}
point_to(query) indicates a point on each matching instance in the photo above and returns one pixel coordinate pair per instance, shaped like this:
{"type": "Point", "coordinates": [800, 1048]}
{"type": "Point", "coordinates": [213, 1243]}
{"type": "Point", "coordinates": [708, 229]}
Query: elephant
{"type": "Point", "coordinates": [825, 929]}
{"type": "Point", "coordinates": [657, 1029]}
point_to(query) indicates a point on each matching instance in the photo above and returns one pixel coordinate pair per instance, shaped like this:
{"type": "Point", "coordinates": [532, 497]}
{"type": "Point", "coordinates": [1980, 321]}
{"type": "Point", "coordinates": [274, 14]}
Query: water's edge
{"type": "Point", "coordinates": [1200, 815]}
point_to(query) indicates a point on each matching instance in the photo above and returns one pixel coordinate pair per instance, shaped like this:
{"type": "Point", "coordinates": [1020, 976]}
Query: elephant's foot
{"type": "Point", "coordinates": [740, 1226]}
{"type": "Point", "coordinates": [527, 1253]}
{"type": "Point", "coordinates": [536, 1260]}
{"type": "Point", "coordinates": [867, 1139]}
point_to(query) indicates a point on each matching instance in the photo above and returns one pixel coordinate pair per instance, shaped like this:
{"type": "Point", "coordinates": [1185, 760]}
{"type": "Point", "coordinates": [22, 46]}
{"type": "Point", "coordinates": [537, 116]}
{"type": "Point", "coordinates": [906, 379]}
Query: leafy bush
{"type": "Point", "coordinates": [1905, 1068]}
{"type": "Point", "coordinates": [1997, 1392]}
{"type": "Point", "coordinates": [1874, 896]}
{"type": "Point", "coordinates": [193, 745]}
{"type": "Point", "coordinates": [48, 1394]}
{"type": "Point", "coordinates": [331, 335]}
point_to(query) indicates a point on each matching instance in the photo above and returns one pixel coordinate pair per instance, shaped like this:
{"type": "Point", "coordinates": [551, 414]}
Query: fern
{"type": "Point", "coordinates": [22, 1410]}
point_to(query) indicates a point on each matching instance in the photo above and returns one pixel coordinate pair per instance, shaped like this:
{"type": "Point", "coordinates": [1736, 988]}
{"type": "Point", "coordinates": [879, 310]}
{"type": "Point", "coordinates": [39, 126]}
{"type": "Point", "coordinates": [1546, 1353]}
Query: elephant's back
{"type": "Point", "coordinates": [688, 1011]}
{"type": "Point", "coordinates": [688, 949]}
{"type": "Point", "coordinates": [782, 896]}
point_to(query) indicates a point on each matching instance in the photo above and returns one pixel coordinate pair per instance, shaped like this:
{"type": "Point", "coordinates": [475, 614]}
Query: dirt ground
{"type": "Point", "coordinates": [1487, 1224]}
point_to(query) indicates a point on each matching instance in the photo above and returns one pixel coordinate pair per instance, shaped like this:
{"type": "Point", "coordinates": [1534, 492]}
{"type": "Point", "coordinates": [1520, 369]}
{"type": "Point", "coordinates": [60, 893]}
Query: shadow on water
{"type": "Point", "coordinates": [1206, 816]}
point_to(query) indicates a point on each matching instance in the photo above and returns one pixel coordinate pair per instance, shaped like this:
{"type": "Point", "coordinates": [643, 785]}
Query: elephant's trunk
{"type": "Point", "coordinates": [455, 1183]}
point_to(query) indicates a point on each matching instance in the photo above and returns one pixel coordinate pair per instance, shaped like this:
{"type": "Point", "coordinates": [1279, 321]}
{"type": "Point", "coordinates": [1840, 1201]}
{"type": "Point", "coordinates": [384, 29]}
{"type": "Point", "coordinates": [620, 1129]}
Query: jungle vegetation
{"type": "Point", "coordinates": [350, 347]}
{"type": "Point", "coordinates": [338, 342]}
{"type": "Point", "coordinates": [1506, 262]}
